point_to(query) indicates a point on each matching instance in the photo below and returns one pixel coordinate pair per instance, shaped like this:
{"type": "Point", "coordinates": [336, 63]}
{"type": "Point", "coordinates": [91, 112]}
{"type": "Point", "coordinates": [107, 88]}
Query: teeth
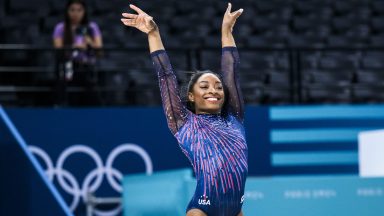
{"type": "Point", "coordinates": [212, 99]}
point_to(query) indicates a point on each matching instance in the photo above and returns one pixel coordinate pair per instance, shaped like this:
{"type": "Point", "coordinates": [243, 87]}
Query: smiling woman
{"type": "Point", "coordinates": [203, 87]}
{"type": "Point", "coordinates": [209, 127]}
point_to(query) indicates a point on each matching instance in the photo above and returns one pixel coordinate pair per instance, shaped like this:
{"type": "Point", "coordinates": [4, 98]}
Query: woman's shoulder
{"type": "Point", "coordinates": [59, 25]}
{"type": "Point", "coordinates": [95, 28]}
{"type": "Point", "coordinates": [59, 30]}
{"type": "Point", "coordinates": [233, 118]}
{"type": "Point", "coordinates": [93, 24]}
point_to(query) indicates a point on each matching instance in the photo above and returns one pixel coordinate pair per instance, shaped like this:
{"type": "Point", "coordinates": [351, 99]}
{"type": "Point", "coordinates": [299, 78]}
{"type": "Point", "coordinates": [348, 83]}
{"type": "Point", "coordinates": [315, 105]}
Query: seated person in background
{"type": "Point", "coordinates": [81, 37]}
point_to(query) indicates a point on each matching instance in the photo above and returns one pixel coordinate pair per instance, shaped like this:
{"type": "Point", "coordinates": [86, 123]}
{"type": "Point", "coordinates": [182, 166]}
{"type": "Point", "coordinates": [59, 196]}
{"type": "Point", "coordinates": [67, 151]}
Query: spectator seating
{"type": "Point", "coordinates": [346, 68]}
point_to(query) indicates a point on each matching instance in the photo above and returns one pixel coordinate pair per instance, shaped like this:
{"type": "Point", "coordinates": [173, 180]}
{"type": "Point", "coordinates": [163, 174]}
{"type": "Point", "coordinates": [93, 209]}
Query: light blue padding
{"type": "Point", "coordinates": [314, 158]}
{"type": "Point", "coordinates": [315, 135]}
{"type": "Point", "coordinates": [20, 140]}
{"type": "Point", "coordinates": [326, 112]}
{"type": "Point", "coordinates": [314, 196]}
{"type": "Point", "coordinates": [163, 193]}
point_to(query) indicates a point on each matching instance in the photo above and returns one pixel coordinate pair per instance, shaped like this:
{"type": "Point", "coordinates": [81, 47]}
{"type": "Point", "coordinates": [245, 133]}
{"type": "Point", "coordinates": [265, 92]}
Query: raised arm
{"type": "Point", "coordinates": [174, 109]}
{"type": "Point", "coordinates": [230, 63]}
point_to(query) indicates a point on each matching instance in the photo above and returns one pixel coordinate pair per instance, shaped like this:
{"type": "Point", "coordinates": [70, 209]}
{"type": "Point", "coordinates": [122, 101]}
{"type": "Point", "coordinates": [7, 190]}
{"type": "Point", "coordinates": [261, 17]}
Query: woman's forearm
{"type": "Point", "coordinates": [97, 43]}
{"type": "Point", "coordinates": [227, 38]}
{"type": "Point", "coordinates": [154, 40]}
{"type": "Point", "coordinates": [94, 43]}
{"type": "Point", "coordinates": [58, 43]}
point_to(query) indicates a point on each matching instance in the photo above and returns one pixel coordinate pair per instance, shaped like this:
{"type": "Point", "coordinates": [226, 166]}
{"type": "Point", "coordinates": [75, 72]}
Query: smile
{"type": "Point", "coordinates": [213, 99]}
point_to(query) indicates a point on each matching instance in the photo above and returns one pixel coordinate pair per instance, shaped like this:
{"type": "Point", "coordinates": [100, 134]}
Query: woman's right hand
{"type": "Point", "coordinates": [141, 20]}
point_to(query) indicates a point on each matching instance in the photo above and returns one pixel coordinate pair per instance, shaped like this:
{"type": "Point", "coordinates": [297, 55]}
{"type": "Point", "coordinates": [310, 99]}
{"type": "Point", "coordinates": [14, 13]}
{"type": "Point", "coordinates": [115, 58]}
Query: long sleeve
{"type": "Point", "coordinates": [175, 111]}
{"type": "Point", "coordinates": [230, 61]}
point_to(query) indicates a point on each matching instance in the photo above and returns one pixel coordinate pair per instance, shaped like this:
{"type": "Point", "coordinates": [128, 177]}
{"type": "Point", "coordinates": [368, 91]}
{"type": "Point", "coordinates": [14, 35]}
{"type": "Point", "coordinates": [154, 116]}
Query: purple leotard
{"type": "Point", "coordinates": [214, 144]}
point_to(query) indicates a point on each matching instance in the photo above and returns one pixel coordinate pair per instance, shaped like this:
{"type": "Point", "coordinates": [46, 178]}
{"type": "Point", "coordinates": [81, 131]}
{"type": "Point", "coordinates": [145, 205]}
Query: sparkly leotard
{"type": "Point", "coordinates": [214, 144]}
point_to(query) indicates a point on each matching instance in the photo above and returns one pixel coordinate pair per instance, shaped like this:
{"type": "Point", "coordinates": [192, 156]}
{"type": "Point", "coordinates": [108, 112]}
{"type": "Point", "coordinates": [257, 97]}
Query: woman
{"type": "Point", "coordinates": [77, 32]}
{"type": "Point", "coordinates": [77, 64]}
{"type": "Point", "coordinates": [211, 131]}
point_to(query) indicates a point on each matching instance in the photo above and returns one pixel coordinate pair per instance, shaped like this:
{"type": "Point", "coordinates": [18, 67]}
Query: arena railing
{"type": "Point", "coordinates": [29, 73]}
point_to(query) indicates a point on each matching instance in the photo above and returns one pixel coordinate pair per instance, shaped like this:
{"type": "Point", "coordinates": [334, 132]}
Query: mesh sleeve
{"type": "Point", "coordinates": [175, 111]}
{"type": "Point", "coordinates": [230, 61]}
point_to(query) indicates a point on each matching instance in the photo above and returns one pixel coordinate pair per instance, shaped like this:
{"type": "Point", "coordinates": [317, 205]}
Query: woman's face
{"type": "Point", "coordinates": [207, 94]}
{"type": "Point", "coordinates": [76, 13]}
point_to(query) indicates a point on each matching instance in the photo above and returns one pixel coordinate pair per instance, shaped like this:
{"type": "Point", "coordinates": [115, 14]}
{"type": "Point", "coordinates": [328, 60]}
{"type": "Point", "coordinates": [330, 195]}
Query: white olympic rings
{"type": "Point", "coordinates": [72, 186]}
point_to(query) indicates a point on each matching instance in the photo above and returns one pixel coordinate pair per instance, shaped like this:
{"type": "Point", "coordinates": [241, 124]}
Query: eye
{"type": "Point", "coordinates": [220, 87]}
{"type": "Point", "coordinates": [204, 87]}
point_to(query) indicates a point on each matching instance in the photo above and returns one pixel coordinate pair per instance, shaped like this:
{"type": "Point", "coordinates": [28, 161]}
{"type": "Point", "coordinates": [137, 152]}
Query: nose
{"type": "Point", "coordinates": [212, 89]}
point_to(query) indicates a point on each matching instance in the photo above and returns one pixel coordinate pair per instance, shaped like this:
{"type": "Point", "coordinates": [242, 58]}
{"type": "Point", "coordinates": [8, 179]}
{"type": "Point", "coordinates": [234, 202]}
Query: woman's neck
{"type": "Point", "coordinates": [75, 23]}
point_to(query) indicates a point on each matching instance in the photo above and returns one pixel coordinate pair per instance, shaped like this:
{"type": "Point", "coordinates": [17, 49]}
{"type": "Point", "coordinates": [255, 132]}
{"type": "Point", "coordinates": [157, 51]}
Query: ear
{"type": "Point", "coordinates": [191, 97]}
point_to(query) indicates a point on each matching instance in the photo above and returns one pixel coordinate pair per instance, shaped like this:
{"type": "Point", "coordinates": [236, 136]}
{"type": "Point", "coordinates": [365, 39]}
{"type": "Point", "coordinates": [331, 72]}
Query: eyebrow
{"type": "Point", "coordinates": [207, 81]}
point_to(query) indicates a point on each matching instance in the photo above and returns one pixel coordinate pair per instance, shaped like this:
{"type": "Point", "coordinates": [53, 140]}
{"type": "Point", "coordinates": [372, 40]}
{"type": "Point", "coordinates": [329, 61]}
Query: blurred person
{"type": "Point", "coordinates": [79, 38]}
{"type": "Point", "coordinates": [208, 123]}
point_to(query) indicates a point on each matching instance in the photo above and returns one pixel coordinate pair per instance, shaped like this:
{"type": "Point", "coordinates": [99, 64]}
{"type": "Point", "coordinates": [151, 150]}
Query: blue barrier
{"type": "Point", "coordinates": [163, 193]}
{"type": "Point", "coordinates": [315, 196]}
{"type": "Point", "coordinates": [168, 193]}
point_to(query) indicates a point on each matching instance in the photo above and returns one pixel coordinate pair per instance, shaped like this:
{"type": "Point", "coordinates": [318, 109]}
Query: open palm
{"type": "Point", "coordinates": [141, 20]}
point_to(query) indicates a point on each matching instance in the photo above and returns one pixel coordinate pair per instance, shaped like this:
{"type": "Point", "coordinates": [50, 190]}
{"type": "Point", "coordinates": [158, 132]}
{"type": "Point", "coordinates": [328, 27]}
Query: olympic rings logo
{"type": "Point", "coordinates": [94, 178]}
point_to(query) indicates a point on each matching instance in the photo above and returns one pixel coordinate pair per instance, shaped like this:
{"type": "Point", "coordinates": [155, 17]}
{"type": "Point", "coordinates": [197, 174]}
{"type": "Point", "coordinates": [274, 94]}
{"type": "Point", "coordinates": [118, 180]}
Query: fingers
{"type": "Point", "coordinates": [229, 8]}
{"type": "Point", "coordinates": [129, 15]}
{"type": "Point", "coordinates": [128, 22]}
{"type": "Point", "coordinates": [237, 13]}
{"type": "Point", "coordinates": [138, 10]}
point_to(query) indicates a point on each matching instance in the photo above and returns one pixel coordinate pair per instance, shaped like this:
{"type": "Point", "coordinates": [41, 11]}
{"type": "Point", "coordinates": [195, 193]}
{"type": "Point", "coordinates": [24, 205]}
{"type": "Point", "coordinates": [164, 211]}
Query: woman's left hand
{"type": "Point", "coordinates": [229, 19]}
{"type": "Point", "coordinates": [89, 40]}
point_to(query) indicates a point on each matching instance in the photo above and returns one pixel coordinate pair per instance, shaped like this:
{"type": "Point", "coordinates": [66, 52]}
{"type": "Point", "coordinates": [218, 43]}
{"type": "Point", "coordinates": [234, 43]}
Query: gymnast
{"type": "Point", "coordinates": [209, 125]}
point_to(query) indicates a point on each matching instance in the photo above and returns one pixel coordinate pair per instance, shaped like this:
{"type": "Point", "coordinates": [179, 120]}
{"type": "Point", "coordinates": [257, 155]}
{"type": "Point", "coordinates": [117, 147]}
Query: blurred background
{"type": "Point", "coordinates": [312, 76]}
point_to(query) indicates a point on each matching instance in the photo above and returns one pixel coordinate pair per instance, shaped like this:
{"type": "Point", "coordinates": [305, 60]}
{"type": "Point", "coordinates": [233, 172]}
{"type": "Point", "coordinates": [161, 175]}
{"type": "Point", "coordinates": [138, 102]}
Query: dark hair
{"type": "Point", "coordinates": [68, 37]}
{"type": "Point", "coordinates": [189, 88]}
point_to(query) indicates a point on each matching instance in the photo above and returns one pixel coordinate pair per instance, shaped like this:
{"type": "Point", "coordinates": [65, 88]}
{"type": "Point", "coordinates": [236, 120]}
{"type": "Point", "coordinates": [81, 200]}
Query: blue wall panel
{"type": "Point", "coordinates": [281, 140]}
